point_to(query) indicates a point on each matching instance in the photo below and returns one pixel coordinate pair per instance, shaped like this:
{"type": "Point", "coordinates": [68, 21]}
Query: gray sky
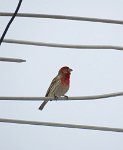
{"type": "Point", "coordinates": [94, 72]}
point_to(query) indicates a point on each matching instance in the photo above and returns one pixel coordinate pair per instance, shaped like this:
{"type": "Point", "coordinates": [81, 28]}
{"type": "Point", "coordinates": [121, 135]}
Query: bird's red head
{"type": "Point", "coordinates": [65, 70]}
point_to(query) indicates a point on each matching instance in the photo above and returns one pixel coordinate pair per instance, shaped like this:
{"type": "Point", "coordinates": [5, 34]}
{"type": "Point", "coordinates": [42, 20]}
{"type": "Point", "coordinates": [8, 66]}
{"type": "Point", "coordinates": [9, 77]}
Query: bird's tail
{"type": "Point", "coordinates": [42, 105]}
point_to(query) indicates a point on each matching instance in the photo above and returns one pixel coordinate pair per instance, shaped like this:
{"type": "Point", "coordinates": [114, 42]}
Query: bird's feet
{"type": "Point", "coordinates": [66, 97]}
{"type": "Point", "coordinates": [56, 97]}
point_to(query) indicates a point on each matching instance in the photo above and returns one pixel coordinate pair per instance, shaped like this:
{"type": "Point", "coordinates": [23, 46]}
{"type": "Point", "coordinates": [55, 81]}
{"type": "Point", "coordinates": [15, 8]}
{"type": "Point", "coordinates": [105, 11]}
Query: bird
{"type": "Point", "coordinates": [59, 85]}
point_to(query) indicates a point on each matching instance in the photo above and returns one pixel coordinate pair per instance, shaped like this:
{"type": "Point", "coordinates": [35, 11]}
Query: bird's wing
{"type": "Point", "coordinates": [54, 84]}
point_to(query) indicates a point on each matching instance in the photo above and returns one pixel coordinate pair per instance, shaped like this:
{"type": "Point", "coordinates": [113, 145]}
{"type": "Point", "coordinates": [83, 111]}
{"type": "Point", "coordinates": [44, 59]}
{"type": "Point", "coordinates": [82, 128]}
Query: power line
{"type": "Point", "coordinates": [63, 45]}
{"type": "Point", "coordinates": [75, 18]}
{"type": "Point", "coordinates": [9, 23]}
{"type": "Point", "coordinates": [4, 33]}
{"type": "Point", "coordinates": [61, 125]}
{"type": "Point", "coordinates": [12, 60]}
{"type": "Point", "coordinates": [94, 97]}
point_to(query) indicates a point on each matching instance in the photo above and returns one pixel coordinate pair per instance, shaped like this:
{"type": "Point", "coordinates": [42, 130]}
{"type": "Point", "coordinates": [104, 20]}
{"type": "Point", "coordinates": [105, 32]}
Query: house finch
{"type": "Point", "coordinates": [59, 85]}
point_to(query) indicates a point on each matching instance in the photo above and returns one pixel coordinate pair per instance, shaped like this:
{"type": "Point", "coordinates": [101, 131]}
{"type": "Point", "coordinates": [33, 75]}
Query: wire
{"type": "Point", "coordinates": [12, 60]}
{"type": "Point", "coordinates": [61, 125]}
{"type": "Point", "coordinates": [75, 18]}
{"type": "Point", "coordinates": [9, 23]}
{"type": "Point", "coordinates": [63, 45]}
{"type": "Point", "coordinates": [94, 97]}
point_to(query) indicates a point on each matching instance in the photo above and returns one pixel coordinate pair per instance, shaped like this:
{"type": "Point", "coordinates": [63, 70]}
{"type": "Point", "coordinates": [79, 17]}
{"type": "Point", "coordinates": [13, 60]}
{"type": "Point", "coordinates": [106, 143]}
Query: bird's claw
{"type": "Point", "coordinates": [66, 97]}
{"type": "Point", "coordinates": [56, 97]}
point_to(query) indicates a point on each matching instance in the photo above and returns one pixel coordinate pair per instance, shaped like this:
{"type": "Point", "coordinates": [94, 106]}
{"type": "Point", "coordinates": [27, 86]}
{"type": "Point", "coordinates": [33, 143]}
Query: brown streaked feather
{"type": "Point", "coordinates": [54, 81]}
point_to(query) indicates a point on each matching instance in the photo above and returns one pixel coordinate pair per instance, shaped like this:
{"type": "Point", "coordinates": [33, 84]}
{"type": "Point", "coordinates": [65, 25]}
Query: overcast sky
{"type": "Point", "coordinates": [94, 72]}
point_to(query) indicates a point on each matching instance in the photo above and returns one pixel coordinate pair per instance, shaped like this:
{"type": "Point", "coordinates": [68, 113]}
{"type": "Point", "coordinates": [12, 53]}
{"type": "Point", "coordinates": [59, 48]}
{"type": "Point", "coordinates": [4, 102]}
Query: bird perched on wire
{"type": "Point", "coordinates": [59, 85]}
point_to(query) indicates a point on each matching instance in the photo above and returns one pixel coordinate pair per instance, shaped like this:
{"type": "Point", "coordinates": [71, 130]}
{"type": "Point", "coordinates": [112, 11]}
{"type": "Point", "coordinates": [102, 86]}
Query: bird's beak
{"type": "Point", "coordinates": [70, 70]}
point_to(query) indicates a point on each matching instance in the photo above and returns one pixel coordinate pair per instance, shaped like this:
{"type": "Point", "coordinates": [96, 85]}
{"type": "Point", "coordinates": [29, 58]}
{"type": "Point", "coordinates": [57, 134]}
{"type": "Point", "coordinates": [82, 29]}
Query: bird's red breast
{"type": "Point", "coordinates": [65, 79]}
